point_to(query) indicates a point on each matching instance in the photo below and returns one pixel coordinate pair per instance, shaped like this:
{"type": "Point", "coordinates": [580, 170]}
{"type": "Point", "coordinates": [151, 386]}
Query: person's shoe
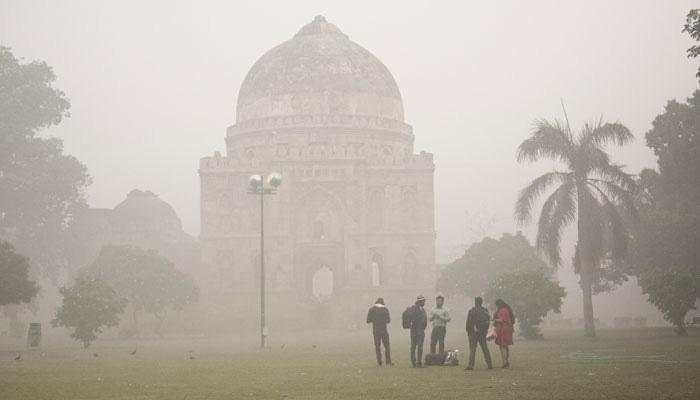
{"type": "Point", "coordinates": [506, 365]}
{"type": "Point", "coordinates": [469, 369]}
{"type": "Point", "coordinates": [420, 366]}
{"type": "Point", "coordinates": [489, 367]}
{"type": "Point", "coordinates": [389, 364]}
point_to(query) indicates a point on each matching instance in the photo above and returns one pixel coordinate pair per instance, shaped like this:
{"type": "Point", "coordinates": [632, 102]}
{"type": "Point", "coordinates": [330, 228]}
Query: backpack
{"type": "Point", "coordinates": [407, 318]}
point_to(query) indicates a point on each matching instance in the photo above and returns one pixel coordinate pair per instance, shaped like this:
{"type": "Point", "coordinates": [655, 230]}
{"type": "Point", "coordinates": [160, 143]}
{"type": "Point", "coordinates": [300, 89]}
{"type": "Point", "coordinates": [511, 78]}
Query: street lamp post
{"type": "Point", "coordinates": [258, 187]}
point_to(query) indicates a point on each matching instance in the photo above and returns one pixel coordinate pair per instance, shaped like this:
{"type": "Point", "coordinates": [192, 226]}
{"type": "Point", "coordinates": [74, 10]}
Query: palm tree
{"type": "Point", "coordinates": [590, 190]}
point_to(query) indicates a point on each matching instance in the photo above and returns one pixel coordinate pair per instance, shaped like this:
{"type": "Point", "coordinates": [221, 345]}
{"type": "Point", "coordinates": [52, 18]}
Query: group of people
{"type": "Point", "coordinates": [481, 327]}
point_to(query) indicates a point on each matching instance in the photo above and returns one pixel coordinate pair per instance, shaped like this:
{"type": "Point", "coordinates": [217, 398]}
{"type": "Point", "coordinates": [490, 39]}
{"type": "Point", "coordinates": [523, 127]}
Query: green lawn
{"type": "Point", "coordinates": [642, 364]}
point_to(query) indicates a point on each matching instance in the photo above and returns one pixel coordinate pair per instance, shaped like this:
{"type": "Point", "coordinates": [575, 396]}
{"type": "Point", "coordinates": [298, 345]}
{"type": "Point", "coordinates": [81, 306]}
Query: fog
{"type": "Point", "coordinates": [153, 87]}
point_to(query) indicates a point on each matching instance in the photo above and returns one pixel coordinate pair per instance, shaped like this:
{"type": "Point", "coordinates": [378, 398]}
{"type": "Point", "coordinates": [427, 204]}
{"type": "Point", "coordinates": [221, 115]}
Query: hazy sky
{"type": "Point", "coordinates": [153, 85]}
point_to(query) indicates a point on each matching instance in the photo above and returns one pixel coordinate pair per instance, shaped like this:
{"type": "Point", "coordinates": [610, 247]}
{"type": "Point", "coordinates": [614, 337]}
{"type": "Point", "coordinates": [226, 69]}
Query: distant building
{"type": "Point", "coordinates": [354, 216]}
{"type": "Point", "coordinates": [143, 220]}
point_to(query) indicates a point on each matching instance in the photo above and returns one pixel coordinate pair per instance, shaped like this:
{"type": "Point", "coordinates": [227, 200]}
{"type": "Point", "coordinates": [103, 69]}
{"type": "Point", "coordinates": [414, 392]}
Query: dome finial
{"type": "Point", "coordinates": [319, 26]}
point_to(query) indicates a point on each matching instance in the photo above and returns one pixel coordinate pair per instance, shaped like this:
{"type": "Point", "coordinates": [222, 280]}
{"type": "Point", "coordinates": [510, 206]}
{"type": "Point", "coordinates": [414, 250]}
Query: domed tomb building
{"type": "Point", "coordinates": [354, 216]}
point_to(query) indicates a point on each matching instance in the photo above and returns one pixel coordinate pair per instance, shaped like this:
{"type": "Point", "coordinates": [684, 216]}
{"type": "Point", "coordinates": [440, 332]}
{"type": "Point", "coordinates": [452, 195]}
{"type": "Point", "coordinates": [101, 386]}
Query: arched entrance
{"type": "Point", "coordinates": [322, 284]}
{"type": "Point", "coordinates": [319, 270]}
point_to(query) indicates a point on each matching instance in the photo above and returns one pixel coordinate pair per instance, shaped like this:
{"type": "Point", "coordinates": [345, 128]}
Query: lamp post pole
{"type": "Point", "coordinates": [257, 186]}
{"type": "Point", "coordinates": [263, 330]}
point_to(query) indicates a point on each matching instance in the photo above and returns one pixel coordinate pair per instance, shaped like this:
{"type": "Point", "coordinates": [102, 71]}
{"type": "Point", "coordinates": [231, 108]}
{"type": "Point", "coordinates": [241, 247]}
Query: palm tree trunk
{"type": "Point", "coordinates": [586, 269]}
{"type": "Point", "coordinates": [587, 289]}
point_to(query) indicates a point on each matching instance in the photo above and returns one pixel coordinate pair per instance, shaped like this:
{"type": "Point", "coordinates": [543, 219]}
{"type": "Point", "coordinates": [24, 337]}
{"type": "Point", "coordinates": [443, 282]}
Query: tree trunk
{"type": "Point", "coordinates": [680, 328]}
{"type": "Point", "coordinates": [585, 267]}
{"type": "Point", "coordinates": [587, 289]}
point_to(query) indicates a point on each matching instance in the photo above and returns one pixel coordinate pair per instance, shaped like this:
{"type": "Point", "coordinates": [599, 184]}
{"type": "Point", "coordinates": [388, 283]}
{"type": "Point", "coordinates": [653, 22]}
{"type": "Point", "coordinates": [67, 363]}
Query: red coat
{"type": "Point", "coordinates": [504, 327]}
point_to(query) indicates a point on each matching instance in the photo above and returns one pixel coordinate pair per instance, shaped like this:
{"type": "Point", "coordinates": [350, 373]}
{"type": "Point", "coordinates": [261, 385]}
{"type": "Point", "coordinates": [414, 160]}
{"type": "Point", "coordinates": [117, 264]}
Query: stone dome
{"type": "Point", "coordinates": [144, 210]}
{"type": "Point", "coordinates": [319, 72]}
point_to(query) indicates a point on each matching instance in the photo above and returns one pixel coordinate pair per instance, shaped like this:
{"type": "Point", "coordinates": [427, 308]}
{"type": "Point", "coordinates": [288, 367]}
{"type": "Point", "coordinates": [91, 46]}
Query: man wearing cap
{"type": "Point", "coordinates": [378, 316]}
{"type": "Point", "coordinates": [419, 321]}
{"type": "Point", "coordinates": [439, 317]}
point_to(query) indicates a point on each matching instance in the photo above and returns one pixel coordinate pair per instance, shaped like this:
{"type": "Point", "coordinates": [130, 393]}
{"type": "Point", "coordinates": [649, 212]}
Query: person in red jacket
{"type": "Point", "coordinates": [504, 320]}
{"type": "Point", "coordinates": [378, 316]}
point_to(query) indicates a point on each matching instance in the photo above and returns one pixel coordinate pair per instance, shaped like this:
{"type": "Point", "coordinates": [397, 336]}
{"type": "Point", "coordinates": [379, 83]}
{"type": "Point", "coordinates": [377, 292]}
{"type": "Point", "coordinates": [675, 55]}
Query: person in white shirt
{"type": "Point", "coordinates": [439, 317]}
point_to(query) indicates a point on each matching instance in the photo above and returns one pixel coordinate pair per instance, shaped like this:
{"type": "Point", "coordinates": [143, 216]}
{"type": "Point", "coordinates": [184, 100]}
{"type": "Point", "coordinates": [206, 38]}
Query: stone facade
{"type": "Point", "coordinates": [356, 203]}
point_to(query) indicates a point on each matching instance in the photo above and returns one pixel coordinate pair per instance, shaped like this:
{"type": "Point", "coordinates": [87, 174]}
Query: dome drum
{"type": "Point", "coordinates": [321, 121]}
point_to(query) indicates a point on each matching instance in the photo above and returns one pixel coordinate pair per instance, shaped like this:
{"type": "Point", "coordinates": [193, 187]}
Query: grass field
{"type": "Point", "coordinates": [640, 364]}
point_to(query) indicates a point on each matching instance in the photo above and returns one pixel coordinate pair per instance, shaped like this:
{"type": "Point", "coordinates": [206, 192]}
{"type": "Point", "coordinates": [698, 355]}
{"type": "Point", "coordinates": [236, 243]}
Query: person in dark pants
{"type": "Point", "coordinates": [419, 321]}
{"type": "Point", "coordinates": [378, 316]}
{"type": "Point", "coordinates": [439, 317]}
{"type": "Point", "coordinates": [478, 320]}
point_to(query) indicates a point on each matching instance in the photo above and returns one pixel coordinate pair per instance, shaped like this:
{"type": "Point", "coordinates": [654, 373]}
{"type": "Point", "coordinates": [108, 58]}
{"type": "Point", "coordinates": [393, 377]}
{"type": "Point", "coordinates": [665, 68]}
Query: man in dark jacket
{"type": "Point", "coordinates": [478, 320]}
{"type": "Point", "coordinates": [378, 316]}
{"type": "Point", "coordinates": [419, 321]}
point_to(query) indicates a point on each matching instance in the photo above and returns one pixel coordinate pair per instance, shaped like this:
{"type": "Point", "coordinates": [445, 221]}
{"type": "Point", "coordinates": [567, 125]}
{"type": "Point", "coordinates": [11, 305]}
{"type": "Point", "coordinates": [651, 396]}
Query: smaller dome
{"type": "Point", "coordinates": [146, 210]}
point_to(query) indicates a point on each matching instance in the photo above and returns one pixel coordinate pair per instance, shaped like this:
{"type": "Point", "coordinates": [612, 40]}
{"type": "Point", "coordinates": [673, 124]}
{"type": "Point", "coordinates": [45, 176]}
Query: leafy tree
{"type": "Point", "coordinates": [666, 240]}
{"type": "Point", "coordinates": [532, 295]}
{"type": "Point", "coordinates": [89, 306]}
{"type": "Point", "coordinates": [41, 187]}
{"type": "Point", "coordinates": [589, 190]}
{"type": "Point", "coordinates": [149, 281]}
{"type": "Point", "coordinates": [485, 260]}
{"type": "Point", "coordinates": [692, 27]}
{"type": "Point", "coordinates": [15, 285]}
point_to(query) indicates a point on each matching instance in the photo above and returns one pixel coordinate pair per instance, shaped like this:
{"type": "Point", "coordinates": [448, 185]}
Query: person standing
{"type": "Point", "coordinates": [378, 316]}
{"type": "Point", "coordinates": [478, 321]}
{"type": "Point", "coordinates": [504, 319]}
{"type": "Point", "coordinates": [439, 317]}
{"type": "Point", "coordinates": [418, 322]}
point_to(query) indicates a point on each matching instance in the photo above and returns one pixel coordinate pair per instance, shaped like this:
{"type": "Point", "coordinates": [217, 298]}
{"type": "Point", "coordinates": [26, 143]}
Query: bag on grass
{"type": "Point", "coordinates": [435, 359]}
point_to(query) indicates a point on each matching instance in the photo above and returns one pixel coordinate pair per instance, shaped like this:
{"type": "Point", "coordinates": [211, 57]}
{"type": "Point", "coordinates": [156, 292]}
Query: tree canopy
{"type": "Point", "coordinates": [483, 261]}
{"type": "Point", "coordinates": [692, 28]}
{"type": "Point", "coordinates": [532, 295]}
{"type": "Point", "coordinates": [89, 306]}
{"type": "Point", "coordinates": [148, 281]}
{"type": "Point", "coordinates": [665, 254]}
{"type": "Point", "coordinates": [41, 187]}
{"type": "Point", "coordinates": [15, 285]}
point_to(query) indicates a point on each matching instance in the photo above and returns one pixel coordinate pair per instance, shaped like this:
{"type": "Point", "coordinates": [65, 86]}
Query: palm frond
{"type": "Point", "coordinates": [547, 140]}
{"type": "Point", "coordinates": [601, 134]}
{"type": "Point", "coordinates": [616, 233]}
{"type": "Point", "coordinates": [529, 195]}
{"type": "Point", "coordinates": [617, 195]}
{"type": "Point", "coordinates": [615, 173]}
{"type": "Point", "coordinates": [558, 211]}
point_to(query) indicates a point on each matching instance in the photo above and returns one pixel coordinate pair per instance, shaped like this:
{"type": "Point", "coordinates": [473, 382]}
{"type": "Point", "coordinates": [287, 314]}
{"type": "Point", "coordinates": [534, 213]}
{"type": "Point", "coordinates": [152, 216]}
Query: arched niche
{"type": "Point", "coordinates": [323, 283]}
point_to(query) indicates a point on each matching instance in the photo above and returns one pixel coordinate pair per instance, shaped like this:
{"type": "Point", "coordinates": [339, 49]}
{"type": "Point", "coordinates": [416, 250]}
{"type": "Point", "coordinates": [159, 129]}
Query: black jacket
{"type": "Point", "coordinates": [478, 320]}
{"type": "Point", "coordinates": [378, 316]}
{"type": "Point", "coordinates": [419, 318]}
